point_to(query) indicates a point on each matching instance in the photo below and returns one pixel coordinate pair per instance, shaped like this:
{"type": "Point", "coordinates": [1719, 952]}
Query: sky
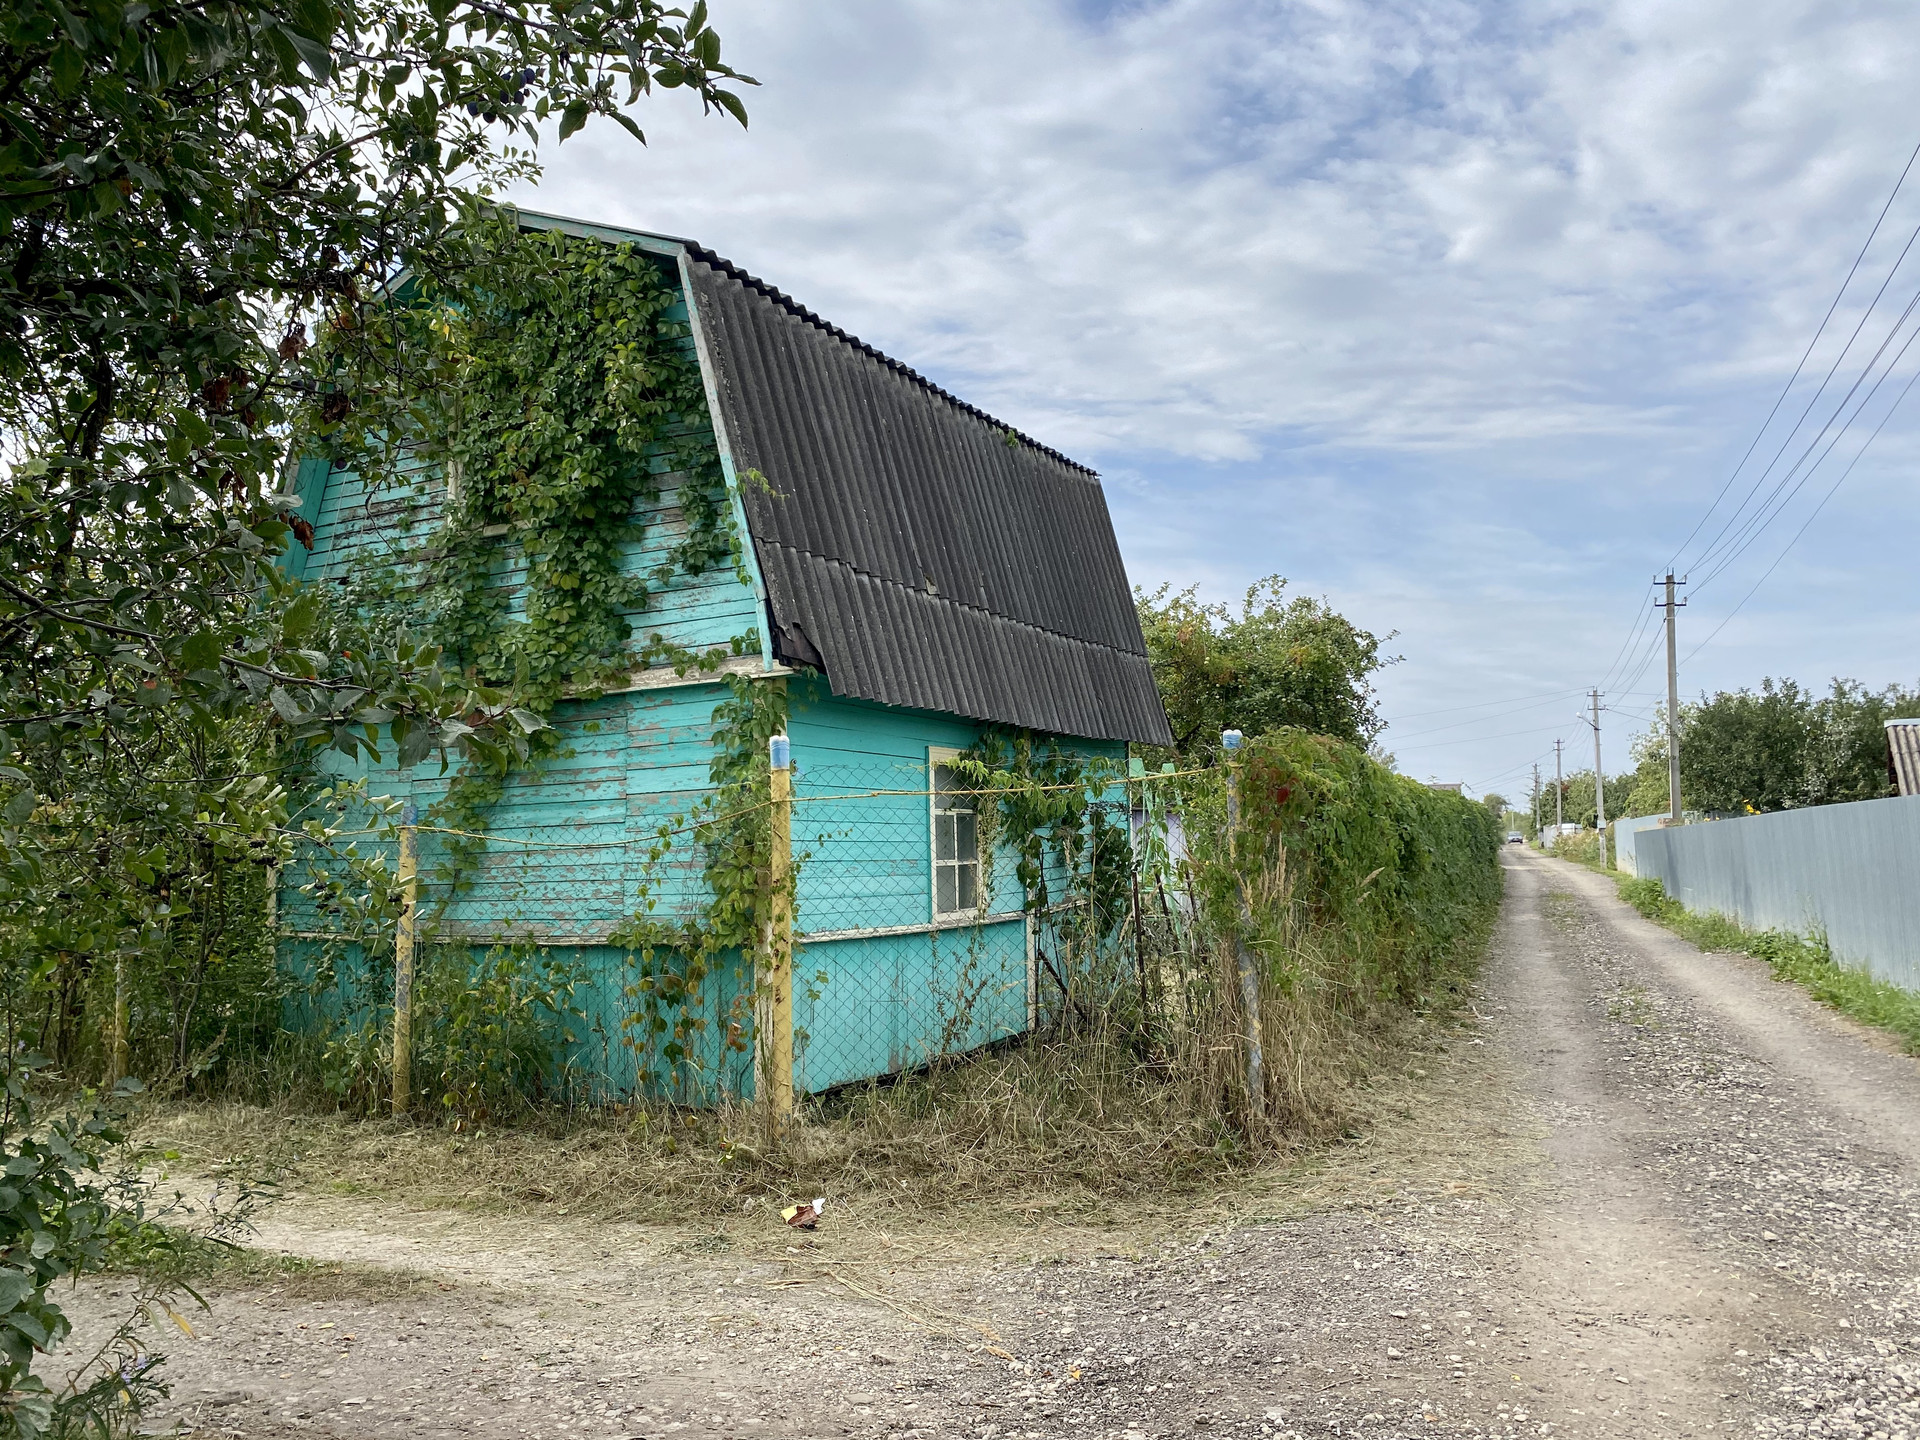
{"type": "Point", "coordinates": [1457, 316]}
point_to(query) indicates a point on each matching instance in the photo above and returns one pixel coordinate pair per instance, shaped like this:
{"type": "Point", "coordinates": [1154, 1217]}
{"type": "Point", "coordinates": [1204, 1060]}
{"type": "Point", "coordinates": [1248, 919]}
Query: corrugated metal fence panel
{"type": "Point", "coordinates": [1625, 833]}
{"type": "Point", "coordinates": [930, 555]}
{"type": "Point", "coordinates": [1852, 871]}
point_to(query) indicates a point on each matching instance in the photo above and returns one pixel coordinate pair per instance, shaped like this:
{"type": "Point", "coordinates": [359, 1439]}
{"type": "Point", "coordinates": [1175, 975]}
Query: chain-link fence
{"type": "Point", "coordinates": [909, 945]}
{"type": "Point", "coordinates": [642, 924]}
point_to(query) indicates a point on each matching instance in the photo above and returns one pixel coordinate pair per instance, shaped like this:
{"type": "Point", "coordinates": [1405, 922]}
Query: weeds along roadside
{"type": "Point", "coordinates": [1803, 960]}
{"type": "Point", "coordinates": [1368, 900]}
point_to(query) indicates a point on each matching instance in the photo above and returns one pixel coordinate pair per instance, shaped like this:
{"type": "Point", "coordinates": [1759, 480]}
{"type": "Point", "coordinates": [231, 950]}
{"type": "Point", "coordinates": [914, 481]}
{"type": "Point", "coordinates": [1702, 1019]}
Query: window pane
{"type": "Point", "coordinates": [965, 874]}
{"type": "Point", "coordinates": [965, 841]}
{"type": "Point", "coordinates": [945, 897]}
{"type": "Point", "coordinates": [943, 840]}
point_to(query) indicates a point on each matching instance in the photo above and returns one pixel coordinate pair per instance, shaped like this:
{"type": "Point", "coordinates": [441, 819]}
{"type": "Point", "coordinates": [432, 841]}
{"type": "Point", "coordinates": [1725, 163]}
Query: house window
{"type": "Point", "coordinates": [956, 846]}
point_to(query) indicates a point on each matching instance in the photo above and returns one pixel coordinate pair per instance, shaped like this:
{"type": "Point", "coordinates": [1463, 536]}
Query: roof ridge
{"type": "Point", "coordinates": [795, 308]}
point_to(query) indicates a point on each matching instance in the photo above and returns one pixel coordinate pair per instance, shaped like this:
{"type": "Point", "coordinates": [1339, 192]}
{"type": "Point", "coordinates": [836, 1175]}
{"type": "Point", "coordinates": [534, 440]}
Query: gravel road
{"type": "Point", "coordinates": [1652, 1193]}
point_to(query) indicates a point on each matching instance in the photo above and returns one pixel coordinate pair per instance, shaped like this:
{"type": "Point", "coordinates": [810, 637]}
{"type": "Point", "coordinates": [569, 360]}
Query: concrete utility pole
{"type": "Point", "coordinates": [1599, 781]}
{"type": "Point", "coordinates": [1673, 703]}
{"type": "Point", "coordinates": [1536, 801]}
{"type": "Point", "coordinates": [1559, 790]}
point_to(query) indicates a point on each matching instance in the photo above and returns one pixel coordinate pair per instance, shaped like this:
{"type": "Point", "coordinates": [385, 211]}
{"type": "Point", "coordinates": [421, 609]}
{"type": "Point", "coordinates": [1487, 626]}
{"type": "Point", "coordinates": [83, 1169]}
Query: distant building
{"type": "Point", "coordinates": [1453, 789]}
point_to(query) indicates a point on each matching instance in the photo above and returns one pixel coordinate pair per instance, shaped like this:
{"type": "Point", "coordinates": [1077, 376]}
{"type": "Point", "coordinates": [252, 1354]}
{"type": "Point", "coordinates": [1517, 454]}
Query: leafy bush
{"type": "Point", "coordinates": [1407, 875]}
{"type": "Point", "coordinates": [492, 1034]}
{"type": "Point", "coordinates": [1277, 663]}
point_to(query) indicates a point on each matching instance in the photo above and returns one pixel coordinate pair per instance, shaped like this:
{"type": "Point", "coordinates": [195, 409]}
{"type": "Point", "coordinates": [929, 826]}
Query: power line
{"type": "Point", "coordinates": [1476, 739]}
{"type": "Point", "coordinates": [1769, 511]}
{"type": "Point", "coordinates": [1858, 411]}
{"type": "Point", "coordinates": [1633, 638]}
{"type": "Point", "coordinates": [1735, 536]}
{"type": "Point", "coordinates": [1484, 704]}
{"type": "Point", "coordinates": [1832, 490]}
{"type": "Point", "coordinates": [1805, 356]}
{"type": "Point", "coordinates": [1832, 370]}
{"type": "Point", "coordinates": [1486, 719]}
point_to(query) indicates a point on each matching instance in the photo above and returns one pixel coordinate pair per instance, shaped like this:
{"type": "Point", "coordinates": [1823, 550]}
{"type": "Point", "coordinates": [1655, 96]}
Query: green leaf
{"type": "Point", "coordinates": [200, 651]}
{"type": "Point", "coordinates": [297, 621]}
{"type": "Point", "coordinates": [573, 118]}
{"type": "Point", "coordinates": [68, 67]}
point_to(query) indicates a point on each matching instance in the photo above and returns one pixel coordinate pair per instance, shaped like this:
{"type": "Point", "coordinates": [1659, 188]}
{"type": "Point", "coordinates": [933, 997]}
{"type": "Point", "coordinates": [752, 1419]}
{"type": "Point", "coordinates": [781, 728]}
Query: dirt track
{"type": "Point", "coordinates": [1653, 1194]}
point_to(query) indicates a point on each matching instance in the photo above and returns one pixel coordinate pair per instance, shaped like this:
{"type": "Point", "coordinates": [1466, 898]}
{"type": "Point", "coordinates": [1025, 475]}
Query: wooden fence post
{"type": "Point", "coordinates": [403, 940]}
{"type": "Point", "coordinates": [117, 1070]}
{"type": "Point", "coordinates": [1249, 963]}
{"type": "Point", "coordinates": [778, 1043]}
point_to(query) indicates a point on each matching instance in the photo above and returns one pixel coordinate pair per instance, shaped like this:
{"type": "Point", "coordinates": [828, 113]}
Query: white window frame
{"type": "Point", "coordinates": [938, 755]}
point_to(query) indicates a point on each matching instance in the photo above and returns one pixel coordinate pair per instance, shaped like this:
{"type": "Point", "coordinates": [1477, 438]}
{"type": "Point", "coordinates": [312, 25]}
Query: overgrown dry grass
{"type": "Point", "coordinates": [1069, 1127]}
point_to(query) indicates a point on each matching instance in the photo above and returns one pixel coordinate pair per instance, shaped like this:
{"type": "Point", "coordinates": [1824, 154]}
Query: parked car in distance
{"type": "Point", "coordinates": [1514, 837]}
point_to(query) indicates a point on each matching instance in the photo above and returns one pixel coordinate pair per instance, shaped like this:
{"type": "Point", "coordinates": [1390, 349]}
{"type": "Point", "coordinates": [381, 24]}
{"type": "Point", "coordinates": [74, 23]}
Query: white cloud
{"type": "Point", "coordinates": [1455, 312]}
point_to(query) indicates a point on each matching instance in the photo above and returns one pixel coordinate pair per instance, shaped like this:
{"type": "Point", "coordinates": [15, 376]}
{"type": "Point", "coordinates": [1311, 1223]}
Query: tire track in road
{"type": "Point", "coordinates": [1735, 1197]}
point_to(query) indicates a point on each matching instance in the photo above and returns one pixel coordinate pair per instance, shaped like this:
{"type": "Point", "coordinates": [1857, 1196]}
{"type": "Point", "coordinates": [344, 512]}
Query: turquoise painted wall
{"type": "Point", "coordinates": [566, 856]}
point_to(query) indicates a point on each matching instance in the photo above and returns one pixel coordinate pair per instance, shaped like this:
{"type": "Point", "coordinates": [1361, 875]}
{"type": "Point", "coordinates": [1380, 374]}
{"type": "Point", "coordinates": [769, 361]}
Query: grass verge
{"type": "Point", "coordinates": [1804, 960]}
{"type": "Point", "coordinates": [174, 1257]}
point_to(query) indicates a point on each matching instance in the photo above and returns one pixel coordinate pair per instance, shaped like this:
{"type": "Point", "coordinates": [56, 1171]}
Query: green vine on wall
{"type": "Point", "coordinates": [571, 395]}
{"type": "Point", "coordinates": [550, 383]}
{"type": "Point", "coordinates": [552, 386]}
{"type": "Point", "coordinates": [1048, 808]}
{"type": "Point", "coordinates": [676, 958]}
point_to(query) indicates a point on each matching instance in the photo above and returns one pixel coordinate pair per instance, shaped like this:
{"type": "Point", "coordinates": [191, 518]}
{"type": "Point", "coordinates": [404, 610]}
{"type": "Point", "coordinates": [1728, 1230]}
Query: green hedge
{"type": "Point", "coordinates": [1408, 877]}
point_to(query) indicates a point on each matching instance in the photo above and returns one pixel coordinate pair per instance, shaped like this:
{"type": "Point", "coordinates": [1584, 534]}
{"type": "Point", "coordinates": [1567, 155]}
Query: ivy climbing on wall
{"type": "Point", "coordinates": [547, 389]}
{"type": "Point", "coordinates": [676, 957]}
{"type": "Point", "coordinates": [574, 393]}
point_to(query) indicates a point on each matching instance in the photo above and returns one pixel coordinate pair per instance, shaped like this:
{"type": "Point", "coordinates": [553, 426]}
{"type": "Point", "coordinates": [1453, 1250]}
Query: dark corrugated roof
{"type": "Point", "coordinates": [914, 548]}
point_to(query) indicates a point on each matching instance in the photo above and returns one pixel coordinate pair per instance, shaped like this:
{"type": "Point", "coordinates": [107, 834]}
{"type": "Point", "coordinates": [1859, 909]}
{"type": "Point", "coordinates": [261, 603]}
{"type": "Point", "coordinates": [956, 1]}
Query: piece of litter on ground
{"type": "Point", "coordinates": [804, 1217]}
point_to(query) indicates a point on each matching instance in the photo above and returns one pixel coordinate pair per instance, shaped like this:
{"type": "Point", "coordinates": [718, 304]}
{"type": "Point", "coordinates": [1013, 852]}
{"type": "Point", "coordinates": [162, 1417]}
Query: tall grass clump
{"type": "Point", "coordinates": [1806, 961]}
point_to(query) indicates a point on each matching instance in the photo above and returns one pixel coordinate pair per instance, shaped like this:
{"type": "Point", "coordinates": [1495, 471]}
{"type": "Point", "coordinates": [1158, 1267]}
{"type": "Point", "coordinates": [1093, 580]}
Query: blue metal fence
{"type": "Point", "coordinates": [1851, 872]}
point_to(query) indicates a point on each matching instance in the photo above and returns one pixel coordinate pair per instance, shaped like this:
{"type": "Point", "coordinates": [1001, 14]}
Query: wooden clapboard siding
{"type": "Point", "coordinates": [880, 1004]}
{"type": "Point", "coordinates": [566, 860]}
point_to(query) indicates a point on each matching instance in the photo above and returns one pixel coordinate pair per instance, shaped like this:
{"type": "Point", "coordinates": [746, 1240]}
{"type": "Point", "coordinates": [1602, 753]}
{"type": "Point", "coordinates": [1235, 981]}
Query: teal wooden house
{"type": "Point", "coordinates": [914, 571]}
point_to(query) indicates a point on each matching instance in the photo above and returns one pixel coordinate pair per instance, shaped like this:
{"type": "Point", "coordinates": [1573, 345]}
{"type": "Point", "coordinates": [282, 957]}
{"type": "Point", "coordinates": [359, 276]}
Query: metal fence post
{"type": "Point", "coordinates": [778, 1043]}
{"type": "Point", "coordinates": [1230, 742]}
{"type": "Point", "coordinates": [403, 942]}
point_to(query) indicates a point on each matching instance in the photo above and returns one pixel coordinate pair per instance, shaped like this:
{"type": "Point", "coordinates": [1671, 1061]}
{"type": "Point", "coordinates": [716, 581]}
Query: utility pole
{"type": "Point", "coordinates": [1599, 781]}
{"type": "Point", "coordinates": [1673, 703]}
{"type": "Point", "coordinates": [1536, 801]}
{"type": "Point", "coordinates": [1559, 790]}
